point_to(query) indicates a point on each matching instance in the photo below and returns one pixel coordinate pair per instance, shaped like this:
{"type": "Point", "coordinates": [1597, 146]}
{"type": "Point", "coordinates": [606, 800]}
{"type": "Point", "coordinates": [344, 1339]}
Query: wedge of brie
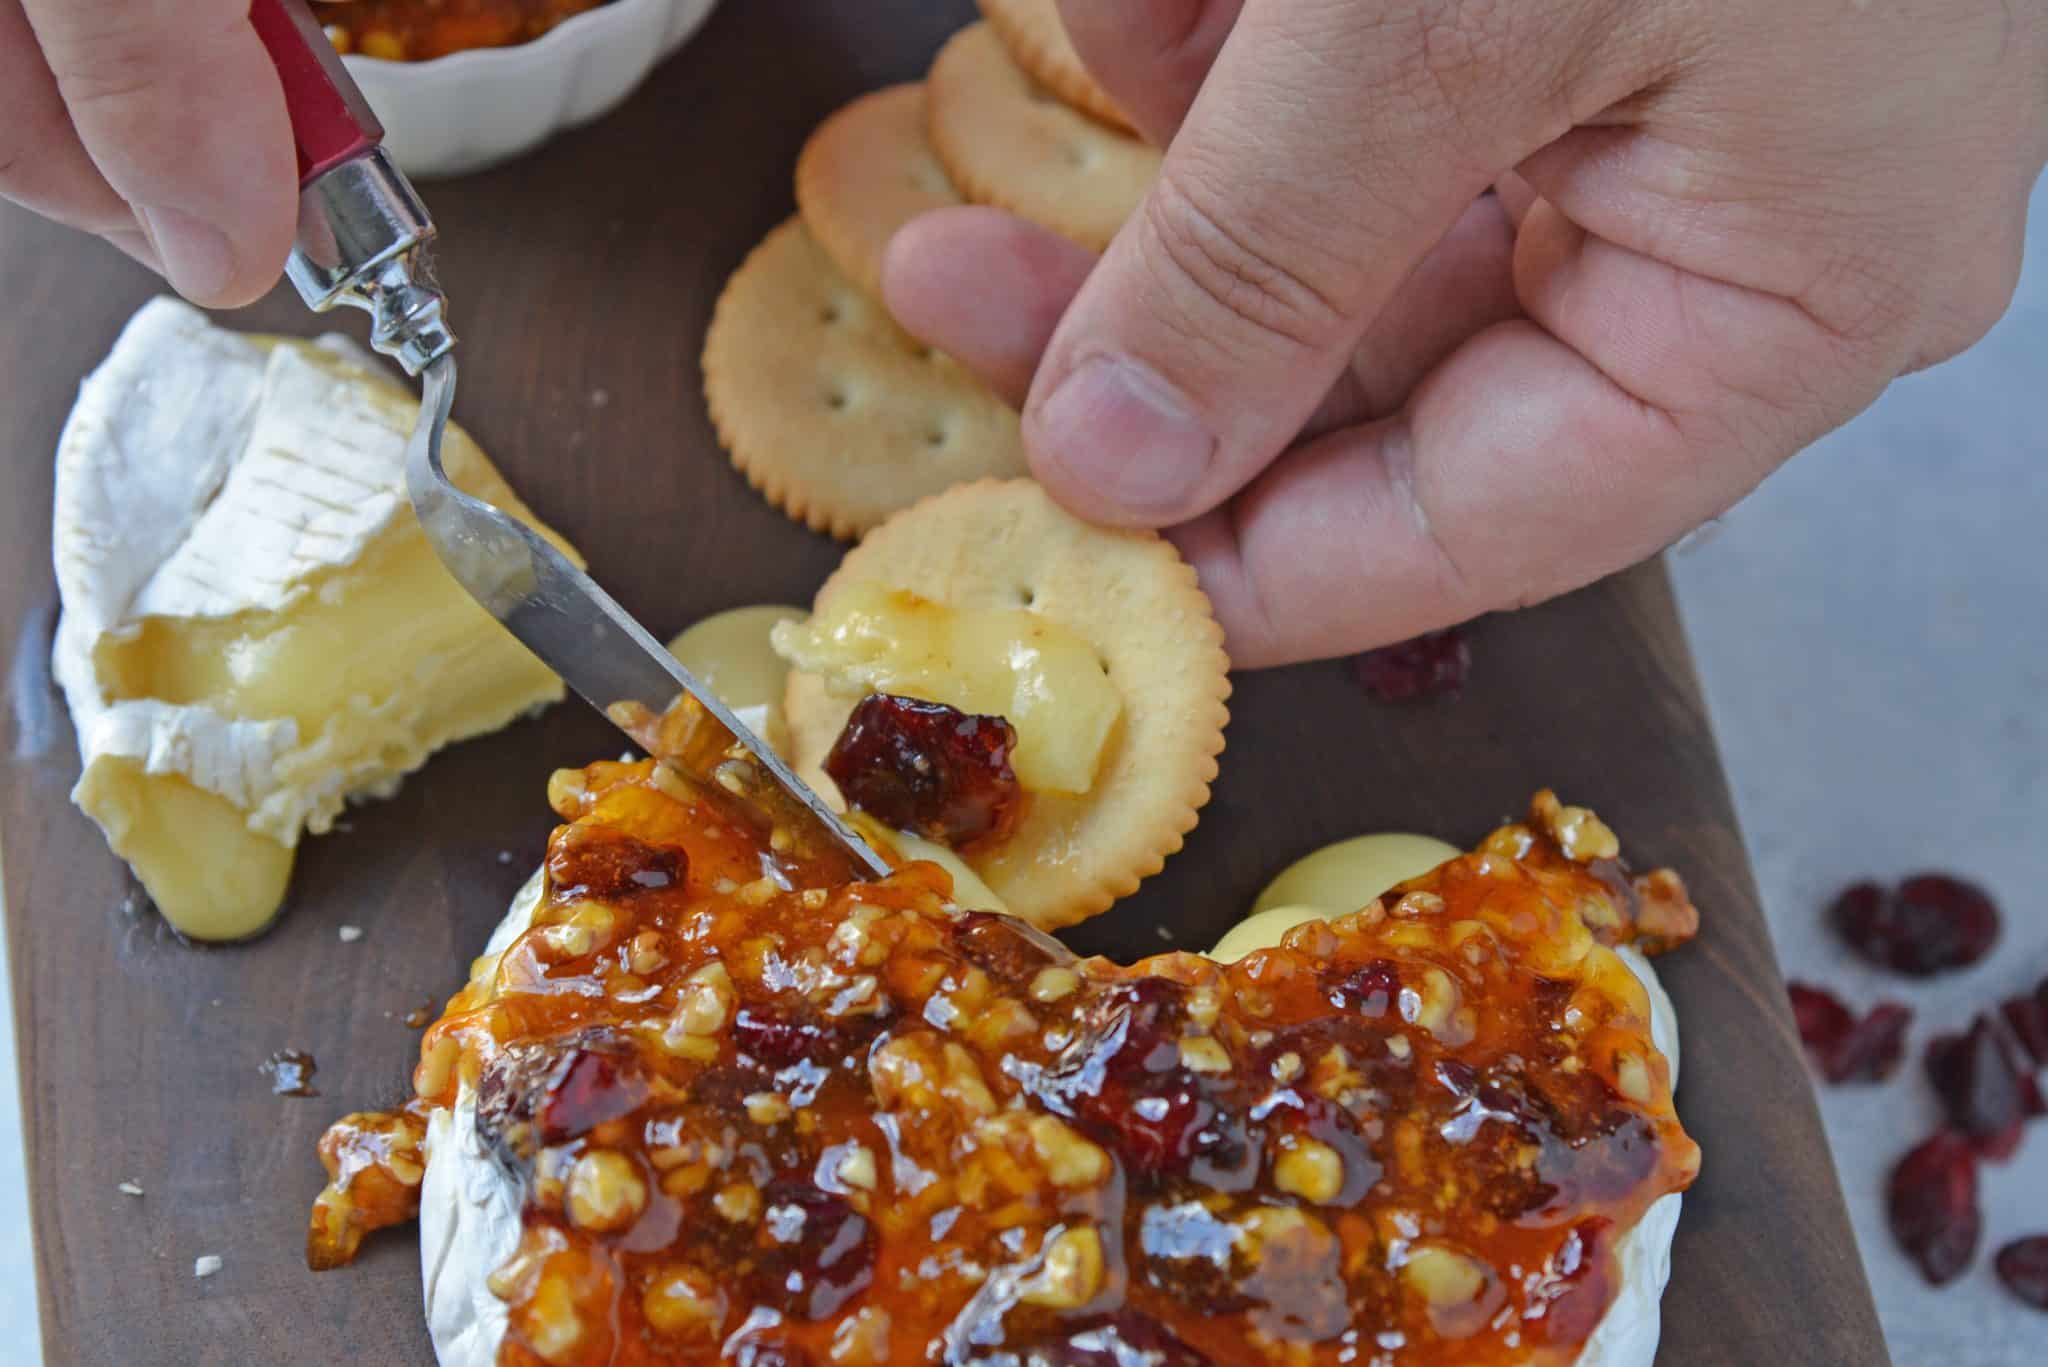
{"type": "Point", "coordinates": [254, 627]}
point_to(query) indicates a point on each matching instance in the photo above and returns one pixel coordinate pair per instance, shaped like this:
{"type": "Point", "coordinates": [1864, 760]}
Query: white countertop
{"type": "Point", "coordinates": [1873, 632]}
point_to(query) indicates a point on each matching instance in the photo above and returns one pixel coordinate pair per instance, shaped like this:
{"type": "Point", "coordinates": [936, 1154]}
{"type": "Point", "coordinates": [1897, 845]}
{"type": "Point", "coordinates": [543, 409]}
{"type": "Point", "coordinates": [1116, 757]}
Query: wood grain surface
{"type": "Point", "coordinates": [581, 279]}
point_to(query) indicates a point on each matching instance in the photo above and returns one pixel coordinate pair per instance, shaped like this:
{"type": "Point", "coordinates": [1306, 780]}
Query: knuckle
{"type": "Point", "coordinates": [1219, 267]}
{"type": "Point", "coordinates": [1973, 305]}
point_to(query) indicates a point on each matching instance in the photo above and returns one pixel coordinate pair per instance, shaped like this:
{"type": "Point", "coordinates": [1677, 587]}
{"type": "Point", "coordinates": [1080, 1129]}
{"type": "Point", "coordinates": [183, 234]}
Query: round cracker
{"type": "Point", "coordinates": [834, 413]}
{"type": "Point", "coordinates": [1003, 544]}
{"type": "Point", "coordinates": [1037, 40]}
{"type": "Point", "coordinates": [865, 172]}
{"type": "Point", "coordinates": [1006, 141]}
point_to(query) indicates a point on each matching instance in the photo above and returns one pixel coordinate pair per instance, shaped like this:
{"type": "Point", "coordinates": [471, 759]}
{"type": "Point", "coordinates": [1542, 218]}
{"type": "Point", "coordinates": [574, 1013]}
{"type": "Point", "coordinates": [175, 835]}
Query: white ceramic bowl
{"type": "Point", "coordinates": [473, 109]}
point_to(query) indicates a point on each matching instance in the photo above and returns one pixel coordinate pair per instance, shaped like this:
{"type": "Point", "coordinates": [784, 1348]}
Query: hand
{"type": "Point", "coordinates": [159, 125]}
{"type": "Point", "coordinates": [1443, 306]}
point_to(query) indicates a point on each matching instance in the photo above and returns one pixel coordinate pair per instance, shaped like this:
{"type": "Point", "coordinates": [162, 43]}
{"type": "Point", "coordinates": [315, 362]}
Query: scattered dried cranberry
{"type": "Point", "coordinates": [1983, 1089]}
{"type": "Point", "coordinates": [927, 768]}
{"type": "Point", "coordinates": [291, 1073]}
{"type": "Point", "coordinates": [1427, 666]}
{"type": "Point", "coordinates": [2027, 1014]}
{"type": "Point", "coordinates": [1932, 1206]}
{"type": "Point", "coordinates": [1931, 923]}
{"type": "Point", "coordinates": [1842, 1047]}
{"type": "Point", "coordinates": [2023, 1266]}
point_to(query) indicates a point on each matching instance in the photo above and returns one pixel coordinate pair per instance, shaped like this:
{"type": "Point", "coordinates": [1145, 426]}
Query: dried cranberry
{"type": "Point", "coordinates": [1009, 950]}
{"type": "Point", "coordinates": [1842, 1047]}
{"type": "Point", "coordinates": [1123, 1339]}
{"type": "Point", "coordinates": [1982, 1088]}
{"type": "Point", "coordinates": [2023, 1266]}
{"type": "Point", "coordinates": [1123, 1080]}
{"type": "Point", "coordinates": [825, 1251]}
{"type": "Point", "coordinates": [596, 861]}
{"type": "Point", "coordinates": [1819, 1014]}
{"type": "Point", "coordinates": [777, 1040]}
{"type": "Point", "coordinates": [1931, 923]}
{"type": "Point", "coordinates": [1931, 1204]}
{"type": "Point", "coordinates": [927, 768]}
{"type": "Point", "coordinates": [549, 1091]}
{"type": "Point", "coordinates": [1873, 1050]}
{"type": "Point", "coordinates": [588, 1089]}
{"type": "Point", "coordinates": [1427, 666]}
{"type": "Point", "coordinates": [1367, 991]}
{"type": "Point", "coordinates": [2027, 1014]}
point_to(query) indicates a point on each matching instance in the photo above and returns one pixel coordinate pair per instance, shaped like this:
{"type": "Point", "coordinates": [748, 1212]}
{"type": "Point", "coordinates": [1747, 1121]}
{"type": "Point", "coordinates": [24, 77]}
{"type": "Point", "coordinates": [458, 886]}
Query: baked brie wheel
{"type": "Point", "coordinates": [694, 1107]}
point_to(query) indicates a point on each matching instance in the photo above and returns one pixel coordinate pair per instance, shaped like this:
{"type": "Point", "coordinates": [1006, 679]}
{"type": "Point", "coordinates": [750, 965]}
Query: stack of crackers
{"type": "Point", "coordinates": [834, 413]}
{"type": "Point", "coordinates": [851, 426]}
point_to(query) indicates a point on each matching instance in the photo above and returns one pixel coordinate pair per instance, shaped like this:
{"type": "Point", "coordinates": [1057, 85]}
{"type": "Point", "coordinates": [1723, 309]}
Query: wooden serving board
{"type": "Point", "coordinates": [582, 278]}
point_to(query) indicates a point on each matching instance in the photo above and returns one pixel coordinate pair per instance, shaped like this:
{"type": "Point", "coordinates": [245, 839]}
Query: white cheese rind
{"type": "Point", "coordinates": [255, 630]}
{"type": "Point", "coordinates": [172, 498]}
{"type": "Point", "coordinates": [469, 1217]}
{"type": "Point", "coordinates": [469, 1209]}
{"type": "Point", "coordinates": [321, 473]}
{"type": "Point", "coordinates": [1627, 1335]}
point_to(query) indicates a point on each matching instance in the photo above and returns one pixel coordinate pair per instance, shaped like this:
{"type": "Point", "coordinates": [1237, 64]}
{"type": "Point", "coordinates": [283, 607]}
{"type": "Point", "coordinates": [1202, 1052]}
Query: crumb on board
{"type": "Point", "coordinates": [206, 1264]}
{"type": "Point", "coordinates": [350, 934]}
{"type": "Point", "coordinates": [1163, 932]}
{"type": "Point", "coordinates": [129, 1188]}
{"type": "Point", "coordinates": [504, 856]}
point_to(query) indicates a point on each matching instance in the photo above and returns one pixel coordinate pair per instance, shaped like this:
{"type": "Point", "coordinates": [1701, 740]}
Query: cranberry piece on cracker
{"type": "Point", "coordinates": [927, 768]}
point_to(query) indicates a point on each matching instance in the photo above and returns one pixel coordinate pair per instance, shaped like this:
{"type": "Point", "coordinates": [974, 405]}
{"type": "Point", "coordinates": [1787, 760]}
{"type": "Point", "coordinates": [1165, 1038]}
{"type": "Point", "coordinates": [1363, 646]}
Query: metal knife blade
{"type": "Point", "coordinates": [579, 631]}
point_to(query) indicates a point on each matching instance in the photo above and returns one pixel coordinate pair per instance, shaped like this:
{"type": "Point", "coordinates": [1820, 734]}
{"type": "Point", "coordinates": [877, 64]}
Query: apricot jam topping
{"type": "Point", "coordinates": [763, 1121]}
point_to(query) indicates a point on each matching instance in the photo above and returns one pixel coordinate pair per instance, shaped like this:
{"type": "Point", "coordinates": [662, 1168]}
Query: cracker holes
{"type": "Point", "coordinates": [936, 437]}
{"type": "Point", "coordinates": [1080, 156]}
{"type": "Point", "coordinates": [831, 313]}
{"type": "Point", "coordinates": [838, 398]}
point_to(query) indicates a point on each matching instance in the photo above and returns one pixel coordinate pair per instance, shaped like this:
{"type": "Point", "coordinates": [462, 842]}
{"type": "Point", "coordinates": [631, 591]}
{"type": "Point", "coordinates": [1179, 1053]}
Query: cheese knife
{"type": "Point", "coordinates": [363, 240]}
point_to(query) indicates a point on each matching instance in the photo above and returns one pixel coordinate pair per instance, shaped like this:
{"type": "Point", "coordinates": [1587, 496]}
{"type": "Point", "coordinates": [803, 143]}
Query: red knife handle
{"type": "Point", "coordinates": [331, 122]}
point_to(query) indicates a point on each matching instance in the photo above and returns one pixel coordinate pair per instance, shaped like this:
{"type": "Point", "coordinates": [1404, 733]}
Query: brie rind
{"type": "Point", "coordinates": [254, 630]}
{"type": "Point", "coordinates": [470, 1220]}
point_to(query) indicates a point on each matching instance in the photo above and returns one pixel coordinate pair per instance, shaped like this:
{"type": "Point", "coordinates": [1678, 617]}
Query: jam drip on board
{"type": "Point", "coordinates": [754, 1118]}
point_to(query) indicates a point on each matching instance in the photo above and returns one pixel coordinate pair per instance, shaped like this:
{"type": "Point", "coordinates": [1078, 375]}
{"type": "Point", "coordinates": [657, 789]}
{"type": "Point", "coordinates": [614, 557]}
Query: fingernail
{"type": "Point", "coordinates": [1124, 433]}
{"type": "Point", "coordinates": [196, 255]}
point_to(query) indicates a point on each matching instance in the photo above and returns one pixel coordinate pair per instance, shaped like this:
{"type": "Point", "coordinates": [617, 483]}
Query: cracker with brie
{"type": "Point", "coordinates": [254, 629]}
{"type": "Point", "coordinates": [1076, 684]}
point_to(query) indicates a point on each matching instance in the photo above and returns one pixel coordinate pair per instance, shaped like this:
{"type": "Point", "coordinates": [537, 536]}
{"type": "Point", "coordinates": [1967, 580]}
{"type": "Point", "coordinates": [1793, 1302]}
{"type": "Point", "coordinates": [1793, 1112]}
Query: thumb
{"type": "Point", "coordinates": [1329, 149]}
{"type": "Point", "coordinates": [179, 107]}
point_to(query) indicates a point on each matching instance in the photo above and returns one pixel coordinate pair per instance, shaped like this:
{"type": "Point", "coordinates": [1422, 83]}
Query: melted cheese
{"type": "Point", "coordinates": [255, 629]}
{"type": "Point", "coordinates": [1045, 681]}
{"type": "Point", "coordinates": [730, 652]}
{"type": "Point", "coordinates": [1331, 881]}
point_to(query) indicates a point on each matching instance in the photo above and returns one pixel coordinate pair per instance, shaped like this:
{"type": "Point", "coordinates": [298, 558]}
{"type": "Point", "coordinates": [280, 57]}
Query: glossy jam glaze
{"type": "Point", "coordinates": [420, 30]}
{"type": "Point", "coordinates": [851, 1124]}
